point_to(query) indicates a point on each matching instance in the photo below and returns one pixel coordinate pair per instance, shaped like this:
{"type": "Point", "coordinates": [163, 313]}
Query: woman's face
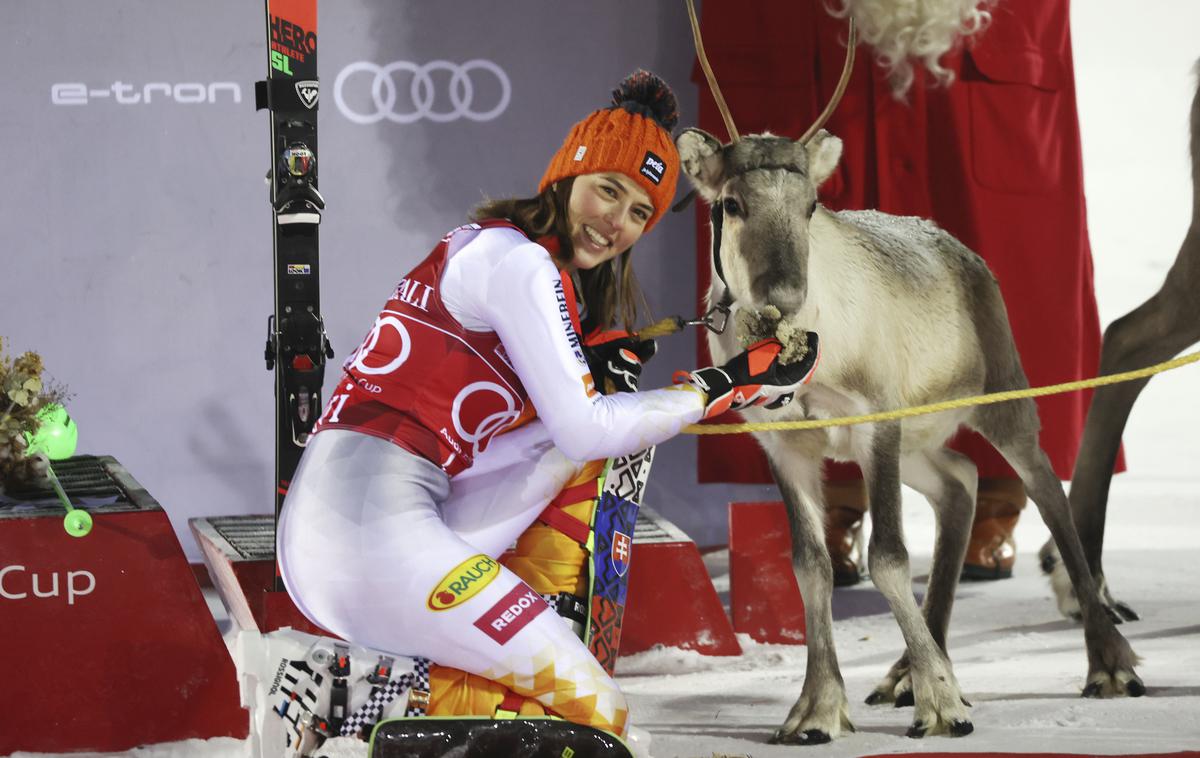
{"type": "Point", "coordinates": [606, 214]}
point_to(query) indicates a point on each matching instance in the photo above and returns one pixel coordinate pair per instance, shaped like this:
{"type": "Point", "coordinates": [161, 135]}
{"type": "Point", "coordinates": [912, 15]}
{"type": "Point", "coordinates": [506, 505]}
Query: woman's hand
{"type": "Point", "coordinates": [615, 359]}
{"type": "Point", "coordinates": [754, 377]}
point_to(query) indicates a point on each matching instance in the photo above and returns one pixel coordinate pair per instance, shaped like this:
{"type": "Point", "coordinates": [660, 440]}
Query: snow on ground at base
{"type": "Point", "coordinates": [1019, 662]}
{"type": "Point", "coordinates": [218, 747]}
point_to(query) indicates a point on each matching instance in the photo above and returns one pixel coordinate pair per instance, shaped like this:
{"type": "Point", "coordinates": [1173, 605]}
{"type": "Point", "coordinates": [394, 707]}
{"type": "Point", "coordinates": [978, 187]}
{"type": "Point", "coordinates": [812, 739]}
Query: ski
{"type": "Point", "coordinates": [433, 737]}
{"type": "Point", "coordinates": [613, 522]}
{"type": "Point", "coordinates": [297, 346]}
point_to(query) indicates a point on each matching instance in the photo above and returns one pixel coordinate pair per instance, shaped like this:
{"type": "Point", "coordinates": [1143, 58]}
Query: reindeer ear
{"type": "Point", "coordinates": [824, 151]}
{"type": "Point", "coordinates": [701, 156]}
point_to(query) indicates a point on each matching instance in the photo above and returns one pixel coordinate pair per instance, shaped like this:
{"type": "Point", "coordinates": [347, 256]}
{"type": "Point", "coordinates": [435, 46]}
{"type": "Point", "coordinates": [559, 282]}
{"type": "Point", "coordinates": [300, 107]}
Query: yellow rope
{"type": "Point", "coordinates": [964, 402]}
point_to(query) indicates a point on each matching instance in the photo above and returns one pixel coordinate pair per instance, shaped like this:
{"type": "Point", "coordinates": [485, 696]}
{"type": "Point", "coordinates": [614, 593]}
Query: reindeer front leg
{"type": "Point", "coordinates": [936, 695]}
{"type": "Point", "coordinates": [822, 711]}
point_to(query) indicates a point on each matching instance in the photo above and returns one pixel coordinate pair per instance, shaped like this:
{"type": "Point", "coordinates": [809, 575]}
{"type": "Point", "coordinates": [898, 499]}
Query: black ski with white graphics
{"type": "Point", "coordinates": [297, 346]}
{"type": "Point", "coordinates": [467, 736]}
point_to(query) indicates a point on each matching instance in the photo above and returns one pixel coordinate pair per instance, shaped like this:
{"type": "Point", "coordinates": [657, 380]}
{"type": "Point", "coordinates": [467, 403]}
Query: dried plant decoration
{"type": "Point", "coordinates": [23, 395]}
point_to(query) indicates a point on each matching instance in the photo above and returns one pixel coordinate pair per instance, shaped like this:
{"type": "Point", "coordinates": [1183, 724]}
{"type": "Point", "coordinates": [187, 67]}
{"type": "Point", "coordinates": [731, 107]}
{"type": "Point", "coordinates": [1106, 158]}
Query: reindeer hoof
{"type": "Point", "coordinates": [1113, 615]}
{"type": "Point", "coordinates": [916, 731]}
{"type": "Point", "coordinates": [905, 699]}
{"type": "Point", "coordinates": [877, 698]}
{"type": "Point", "coordinates": [1125, 682]}
{"type": "Point", "coordinates": [807, 737]}
{"type": "Point", "coordinates": [961, 728]}
{"type": "Point", "coordinates": [813, 737]}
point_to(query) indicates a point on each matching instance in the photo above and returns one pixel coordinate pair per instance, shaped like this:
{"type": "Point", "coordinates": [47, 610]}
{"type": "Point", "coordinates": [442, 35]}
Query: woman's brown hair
{"type": "Point", "coordinates": [607, 291]}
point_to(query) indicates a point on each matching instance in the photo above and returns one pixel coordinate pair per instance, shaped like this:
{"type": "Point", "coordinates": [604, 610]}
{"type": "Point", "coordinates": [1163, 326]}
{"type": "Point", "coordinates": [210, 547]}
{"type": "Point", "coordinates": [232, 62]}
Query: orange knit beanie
{"type": "Point", "coordinates": [633, 136]}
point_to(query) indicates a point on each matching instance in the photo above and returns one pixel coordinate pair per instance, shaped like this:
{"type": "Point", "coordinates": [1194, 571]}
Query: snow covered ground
{"type": "Point", "coordinates": [1017, 660]}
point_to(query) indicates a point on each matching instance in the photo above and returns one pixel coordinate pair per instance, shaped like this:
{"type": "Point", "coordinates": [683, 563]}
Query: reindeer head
{"type": "Point", "coordinates": [763, 192]}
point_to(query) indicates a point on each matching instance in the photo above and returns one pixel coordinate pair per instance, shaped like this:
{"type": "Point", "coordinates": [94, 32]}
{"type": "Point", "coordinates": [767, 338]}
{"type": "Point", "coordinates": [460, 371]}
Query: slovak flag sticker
{"type": "Point", "coordinates": [621, 546]}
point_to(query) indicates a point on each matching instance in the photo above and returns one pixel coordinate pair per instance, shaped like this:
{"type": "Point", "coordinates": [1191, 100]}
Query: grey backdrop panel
{"type": "Point", "coordinates": [136, 235]}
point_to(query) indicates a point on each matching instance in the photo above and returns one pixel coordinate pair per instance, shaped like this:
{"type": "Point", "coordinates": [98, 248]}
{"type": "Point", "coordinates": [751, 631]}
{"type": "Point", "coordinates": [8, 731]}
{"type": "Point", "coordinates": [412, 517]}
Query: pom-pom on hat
{"type": "Point", "coordinates": [632, 136]}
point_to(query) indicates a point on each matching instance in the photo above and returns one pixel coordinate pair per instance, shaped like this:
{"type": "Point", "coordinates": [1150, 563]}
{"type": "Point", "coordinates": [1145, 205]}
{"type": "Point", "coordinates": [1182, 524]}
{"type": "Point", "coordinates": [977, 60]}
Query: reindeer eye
{"type": "Point", "coordinates": [731, 207]}
{"type": "Point", "coordinates": [812, 208]}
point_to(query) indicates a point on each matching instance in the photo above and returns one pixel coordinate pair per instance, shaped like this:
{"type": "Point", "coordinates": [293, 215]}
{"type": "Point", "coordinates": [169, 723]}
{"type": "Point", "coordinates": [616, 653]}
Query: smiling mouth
{"type": "Point", "coordinates": [596, 238]}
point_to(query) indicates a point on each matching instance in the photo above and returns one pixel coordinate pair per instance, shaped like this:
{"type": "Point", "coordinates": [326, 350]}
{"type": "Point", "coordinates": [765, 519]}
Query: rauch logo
{"type": "Point", "coordinates": [123, 93]}
{"type": "Point", "coordinates": [465, 581]}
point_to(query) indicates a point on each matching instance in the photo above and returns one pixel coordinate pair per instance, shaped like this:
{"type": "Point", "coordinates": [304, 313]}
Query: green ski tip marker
{"type": "Point", "coordinates": [77, 522]}
{"type": "Point", "coordinates": [56, 434]}
{"type": "Point", "coordinates": [56, 438]}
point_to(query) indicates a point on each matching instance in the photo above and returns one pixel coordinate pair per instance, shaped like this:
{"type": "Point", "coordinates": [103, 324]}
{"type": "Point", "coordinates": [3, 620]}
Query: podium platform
{"type": "Point", "coordinates": [108, 641]}
{"type": "Point", "coordinates": [764, 597]}
{"type": "Point", "coordinates": [670, 601]}
{"type": "Point", "coordinates": [239, 552]}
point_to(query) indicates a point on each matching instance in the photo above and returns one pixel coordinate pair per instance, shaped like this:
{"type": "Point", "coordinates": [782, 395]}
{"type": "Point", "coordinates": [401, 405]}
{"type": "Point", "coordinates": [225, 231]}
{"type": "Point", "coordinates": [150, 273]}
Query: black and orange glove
{"type": "Point", "coordinates": [754, 377]}
{"type": "Point", "coordinates": [616, 357]}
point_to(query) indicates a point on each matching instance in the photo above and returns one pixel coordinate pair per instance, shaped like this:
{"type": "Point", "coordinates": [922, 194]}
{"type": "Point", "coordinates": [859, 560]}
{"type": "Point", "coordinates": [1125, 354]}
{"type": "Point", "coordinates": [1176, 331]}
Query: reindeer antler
{"type": "Point", "coordinates": [847, 67]}
{"type": "Point", "coordinates": [708, 74]}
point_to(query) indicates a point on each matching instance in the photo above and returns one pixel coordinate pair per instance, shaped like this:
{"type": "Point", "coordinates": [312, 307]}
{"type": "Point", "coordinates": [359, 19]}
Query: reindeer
{"type": "Point", "coordinates": [1155, 331]}
{"type": "Point", "coordinates": [907, 315]}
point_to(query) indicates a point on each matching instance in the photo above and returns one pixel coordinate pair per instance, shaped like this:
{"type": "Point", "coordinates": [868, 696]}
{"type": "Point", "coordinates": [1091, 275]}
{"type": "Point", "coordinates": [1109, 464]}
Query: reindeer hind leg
{"type": "Point", "coordinates": [1012, 428]}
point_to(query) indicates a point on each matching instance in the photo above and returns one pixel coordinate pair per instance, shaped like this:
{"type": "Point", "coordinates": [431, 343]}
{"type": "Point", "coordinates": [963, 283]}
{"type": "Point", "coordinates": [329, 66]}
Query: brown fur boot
{"type": "Point", "coordinates": [992, 551]}
{"type": "Point", "coordinates": [845, 504]}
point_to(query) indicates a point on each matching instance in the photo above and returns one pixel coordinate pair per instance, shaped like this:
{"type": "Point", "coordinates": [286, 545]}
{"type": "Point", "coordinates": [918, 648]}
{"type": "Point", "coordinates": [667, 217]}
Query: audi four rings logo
{"type": "Point", "coordinates": [440, 91]}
